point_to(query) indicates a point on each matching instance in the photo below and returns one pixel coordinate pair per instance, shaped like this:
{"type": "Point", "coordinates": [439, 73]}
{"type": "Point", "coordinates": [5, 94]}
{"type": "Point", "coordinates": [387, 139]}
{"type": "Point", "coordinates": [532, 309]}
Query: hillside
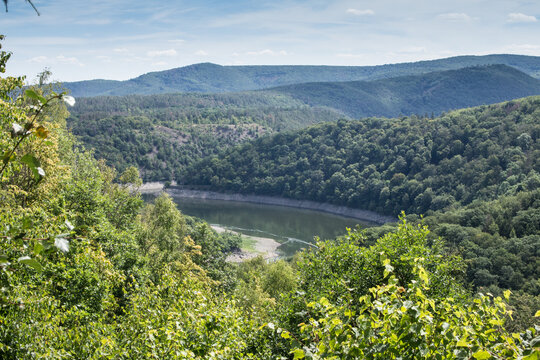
{"type": "Point", "coordinates": [208, 78]}
{"type": "Point", "coordinates": [388, 165]}
{"type": "Point", "coordinates": [418, 94]}
{"type": "Point", "coordinates": [161, 134]}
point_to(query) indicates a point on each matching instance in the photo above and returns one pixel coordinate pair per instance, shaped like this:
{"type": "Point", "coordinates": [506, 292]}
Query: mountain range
{"type": "Point", "coordinates": [418, 94]}
{"type": "Point", "coordinates": [212, 78]}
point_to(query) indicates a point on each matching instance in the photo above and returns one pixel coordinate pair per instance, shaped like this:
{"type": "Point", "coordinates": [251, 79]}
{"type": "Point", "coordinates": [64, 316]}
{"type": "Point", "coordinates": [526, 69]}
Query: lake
{"type": "Point", "coordinates": [292, 227]}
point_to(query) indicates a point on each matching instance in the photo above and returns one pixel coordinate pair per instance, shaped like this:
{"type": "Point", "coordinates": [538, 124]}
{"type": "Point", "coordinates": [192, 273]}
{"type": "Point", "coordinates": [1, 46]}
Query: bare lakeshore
{"type": "Point", "coordinates": [264, 247]}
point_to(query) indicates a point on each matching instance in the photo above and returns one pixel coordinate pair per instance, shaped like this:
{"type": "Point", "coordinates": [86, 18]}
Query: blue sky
{"type": "Point", "coordinates": [121, 39]}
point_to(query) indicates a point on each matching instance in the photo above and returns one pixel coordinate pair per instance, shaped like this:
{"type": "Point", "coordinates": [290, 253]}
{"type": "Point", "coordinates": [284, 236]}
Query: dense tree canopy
{"type": "Point", "coordinates": [388, 165]}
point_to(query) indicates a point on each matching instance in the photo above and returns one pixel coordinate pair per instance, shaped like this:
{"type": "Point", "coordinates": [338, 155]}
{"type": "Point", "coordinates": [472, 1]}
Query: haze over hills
{"type": "Point", "coordinates": [208, 78]}
{"type": "Point", "coordinates": [418, 94]}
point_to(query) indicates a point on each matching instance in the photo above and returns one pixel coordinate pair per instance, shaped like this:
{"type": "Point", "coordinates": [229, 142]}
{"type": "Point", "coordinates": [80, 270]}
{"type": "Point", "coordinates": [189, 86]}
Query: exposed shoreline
{"type": "Point", "coordinates": [358, 214]}
{"type": "Point", "coordinates": [264, 247]}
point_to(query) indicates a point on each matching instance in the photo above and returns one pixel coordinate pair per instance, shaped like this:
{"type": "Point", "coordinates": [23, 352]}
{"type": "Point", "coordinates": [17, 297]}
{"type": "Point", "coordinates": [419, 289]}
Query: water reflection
{"type": "Point", "coordinates": [293, 228]}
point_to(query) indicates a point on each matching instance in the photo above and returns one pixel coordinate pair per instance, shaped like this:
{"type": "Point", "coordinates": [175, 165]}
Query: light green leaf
{"type": "Point", "coordinates": [535, 355]}
{"type": "Point", "coordinates": [26, 260]}
{"type": "Point", "coordinates": [298, 354]}
{"type": "Point", "coordinates": [537, 314]}
{"type": "Point", "coordinates": [462, 343]}
{"type": "Point", "coordinates": [388, 269]}
{"type": "Point", "coordinates": [286, 335]}
{"type": "Point", "coordinates": [481, 355]}
{"type": "Point", "coordinates": [34, 95]}
{"type": "Point", "coordinates": [33, 163]}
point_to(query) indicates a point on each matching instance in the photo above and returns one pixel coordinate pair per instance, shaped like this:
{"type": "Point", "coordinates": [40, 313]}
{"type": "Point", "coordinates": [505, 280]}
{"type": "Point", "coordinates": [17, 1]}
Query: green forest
{"type": "Point", "coordinates": [430, 93]}
{"type": "Point", "coordinates": [415, 164]}
{"type": "Point", "coordinates": [163, 134]}
{"type": "Point", "coordinates": [88, 270]}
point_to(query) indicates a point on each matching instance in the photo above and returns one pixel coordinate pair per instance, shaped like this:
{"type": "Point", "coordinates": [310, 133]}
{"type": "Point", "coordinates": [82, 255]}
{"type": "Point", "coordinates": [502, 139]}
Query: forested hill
{"type": "Point", "coordinates": [160, 134]}
{"type": "Point", "coordinates": [388, 165]}
{"type": "Point", "coordinates": [163, 133]}
{"type": "Point", "coordinates": [418, 94]}
{"type": "Point", "coordinates": [207, 77]}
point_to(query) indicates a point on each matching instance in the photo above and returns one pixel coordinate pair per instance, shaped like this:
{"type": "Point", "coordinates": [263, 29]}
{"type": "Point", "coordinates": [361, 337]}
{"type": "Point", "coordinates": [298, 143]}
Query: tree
{"type": "Point", "coordinates": [28, 1]}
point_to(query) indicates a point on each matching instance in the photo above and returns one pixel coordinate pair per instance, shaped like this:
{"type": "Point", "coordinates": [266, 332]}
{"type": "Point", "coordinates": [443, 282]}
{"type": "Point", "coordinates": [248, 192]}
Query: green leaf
{"type": "Point", "coordinates": [38, 248]}
{"type": "Point", "coordinates": [30, 160]}
{"type": "Point", "coordinates": [533, 356]}
{"type": "Point", "coordinates": [462, 343]}
{"type": "Point", "coordinates": [388, 269]}
{"type": "Point", "coordinates": [298, 354]}
{"type": "Point", "coordinates": [286, 335]}
{"type": "Point", "coordinates": [27, 260]}
{"type": "Point", "coordinates": [537, 314]}
{"type": "Point", "coordinates": [31, 94]}
{"type": "Point", "coordinates": [422, 274]}
{"type": "Point", "coordinates": [3, 259]}
{"type": "Point", "coordinates": [481, 355]}
{"type": "Point", "coordinates": [33, 163]}
{"type": "Point", "coordinates": [7, 157]}
{"type": "Point", "coordinates": [34, 95]}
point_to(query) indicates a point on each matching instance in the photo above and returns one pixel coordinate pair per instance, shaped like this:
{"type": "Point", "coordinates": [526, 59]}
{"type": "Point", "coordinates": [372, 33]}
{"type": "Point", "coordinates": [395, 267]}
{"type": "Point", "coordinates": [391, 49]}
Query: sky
{"type": "Point", "coordinates": [121, 39]}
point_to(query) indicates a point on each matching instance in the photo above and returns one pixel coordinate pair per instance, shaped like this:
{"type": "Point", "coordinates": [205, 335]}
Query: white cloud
{"type": "Point", "coordinates": [68, 60]}
{"type": "Point", "coordinates": [366, 12]}
{"type": "Point", "coordinates": [201, 53]}
{"type": "Point", "coordinates": [177, 41]}
{"type": "Point", "coordinates": [156, 53]}
{"type": "Point", "coordinates": [455, 17]}
{"type": "Point", "coordinates": [520, 18]}
{"type": "Point", "coordinates": [104, 58]}
{"type": "Point", "coordinates": [120, 50]}
{"type": "Point", "coordinates": [267, 52]}
{"type": "Point", "coordinates": [159, 63]}
{"type": "Point", "coordinates": [38, 59]}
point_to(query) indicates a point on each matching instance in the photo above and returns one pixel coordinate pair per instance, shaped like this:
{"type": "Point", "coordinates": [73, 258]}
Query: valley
{"type": "Point", "coordinates": [273, 212]}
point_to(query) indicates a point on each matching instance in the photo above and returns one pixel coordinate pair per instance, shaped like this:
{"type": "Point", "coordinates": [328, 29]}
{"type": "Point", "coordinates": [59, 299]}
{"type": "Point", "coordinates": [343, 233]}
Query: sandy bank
{"type": "Point", "coordinates": [264, 247]}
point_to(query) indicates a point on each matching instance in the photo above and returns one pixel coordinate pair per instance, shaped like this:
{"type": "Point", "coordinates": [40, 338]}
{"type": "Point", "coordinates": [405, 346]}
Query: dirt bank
{"type": "Point", "coordinates": [264, 247]}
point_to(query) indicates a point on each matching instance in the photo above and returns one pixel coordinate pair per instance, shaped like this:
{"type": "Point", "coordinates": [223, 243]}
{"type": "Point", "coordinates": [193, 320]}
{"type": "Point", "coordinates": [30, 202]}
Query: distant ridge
{"type": "Point", "coordinates": [418, 94]}
{"type": "Point", "coordinates": [212, 78]}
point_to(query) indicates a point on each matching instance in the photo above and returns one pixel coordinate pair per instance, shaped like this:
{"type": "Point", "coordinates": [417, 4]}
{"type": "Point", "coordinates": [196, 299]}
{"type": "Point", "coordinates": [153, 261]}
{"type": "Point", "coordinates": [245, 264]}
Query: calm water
{"type": "Point", "coordinates": [293, 228]}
